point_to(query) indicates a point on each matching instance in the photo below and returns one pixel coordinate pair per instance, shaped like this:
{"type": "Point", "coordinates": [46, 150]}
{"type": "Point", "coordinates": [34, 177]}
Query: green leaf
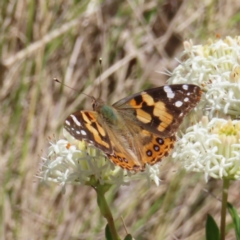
{"type": "Point", "coordinates": [235, 218]}
{"type": "Point", "coordinates": [212, 230]}
{"type": "Point", "coordinates": [108, 234]}
{"type": "Point", "coordinates": [128, 237]}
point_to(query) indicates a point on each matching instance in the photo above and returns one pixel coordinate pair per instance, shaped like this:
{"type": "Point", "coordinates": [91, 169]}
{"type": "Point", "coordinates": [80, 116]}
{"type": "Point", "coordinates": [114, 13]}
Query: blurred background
{"type": "Point", "coordinates": [40, 40]}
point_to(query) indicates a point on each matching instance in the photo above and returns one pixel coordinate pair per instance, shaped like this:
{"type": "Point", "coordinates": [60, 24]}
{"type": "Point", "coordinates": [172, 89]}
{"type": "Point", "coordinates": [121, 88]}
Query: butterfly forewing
{"type": "Point", "coordinates": [160, 110]}
{"type": "Point", "coordinates": [84, 125]}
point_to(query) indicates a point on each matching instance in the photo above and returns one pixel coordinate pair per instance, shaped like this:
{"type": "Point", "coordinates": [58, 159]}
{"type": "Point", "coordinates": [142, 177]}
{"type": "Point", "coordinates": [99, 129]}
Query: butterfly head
{"type": "Point", "coordinates": [97, 104]}
{"type": "Point", "coordinates": [107, 112]}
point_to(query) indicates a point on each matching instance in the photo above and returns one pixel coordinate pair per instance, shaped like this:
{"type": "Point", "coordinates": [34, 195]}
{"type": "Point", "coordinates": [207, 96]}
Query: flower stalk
{"type": "Point", "coordinates": [105, 210]}
{"type": "Point", "coordinates": [225, 188]}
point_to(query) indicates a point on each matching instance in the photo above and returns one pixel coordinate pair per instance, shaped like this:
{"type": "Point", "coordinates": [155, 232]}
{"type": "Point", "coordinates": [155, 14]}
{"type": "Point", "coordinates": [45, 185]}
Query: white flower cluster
{"type": "Point", "coordinates": [212, 147]}
{"type": "Point", "coordinates": [73, 162]}
{"type": "Point", "coordinates": [216, 68]}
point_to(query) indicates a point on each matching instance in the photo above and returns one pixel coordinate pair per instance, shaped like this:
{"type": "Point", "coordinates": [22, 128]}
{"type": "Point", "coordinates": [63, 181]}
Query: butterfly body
{"type": "Point", "coordinates": [139, 129]}
{"type": "Point", "coordinates": [107, 113]}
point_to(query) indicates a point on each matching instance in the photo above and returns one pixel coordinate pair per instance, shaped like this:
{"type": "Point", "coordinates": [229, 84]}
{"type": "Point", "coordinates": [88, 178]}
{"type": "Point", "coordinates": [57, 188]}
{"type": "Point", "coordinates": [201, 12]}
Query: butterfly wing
{"type": "Point", "coordinates": [153, 148]}
{"type": "Point", "coordinates": [84, 125]}
{"type": "Point", "coordinates": [160, 110]}
{"type": "Point", "coordinates": [146, 148]}
{"type": "Point", "coordinates": [123, 156]}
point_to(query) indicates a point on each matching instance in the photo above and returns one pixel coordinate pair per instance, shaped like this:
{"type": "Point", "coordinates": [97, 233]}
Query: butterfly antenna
{"type": "Point", "coordinates": [56, 80]}
{"type": "Point", "coordinates": [99, 79]}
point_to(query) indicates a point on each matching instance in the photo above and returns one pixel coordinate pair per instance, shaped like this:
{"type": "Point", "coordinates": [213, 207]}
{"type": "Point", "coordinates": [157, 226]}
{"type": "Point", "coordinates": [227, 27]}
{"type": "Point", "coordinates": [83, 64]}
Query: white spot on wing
{"type": "Point", "coordinates": [67, 122]}
{"type": "Point", "coordinates": [75, 120]}
{"type": "Point", "coordinates": [168, 91]}
{"type": "Point", "coordinates": [186, 99]}
{"type": "Point", "coordinates": [83, 132]}
{"type": "Point", "coordinates": [78, 132]}
{"type": "Point", "coordinates": [185, 87]}
{"type": "Point", "coordinates": [178, 103]}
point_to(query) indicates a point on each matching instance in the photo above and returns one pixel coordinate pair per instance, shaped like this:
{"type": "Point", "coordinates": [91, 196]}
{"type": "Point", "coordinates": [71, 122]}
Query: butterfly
{"type": "Point", "coordinates": [139, 129]}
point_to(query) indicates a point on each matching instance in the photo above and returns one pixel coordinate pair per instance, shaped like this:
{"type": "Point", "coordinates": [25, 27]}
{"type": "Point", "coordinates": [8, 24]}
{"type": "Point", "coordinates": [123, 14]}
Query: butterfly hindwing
{"type": "Point", "coordinates": [148, 149]}
{"type": "Point", "coordinates": [156, 148]}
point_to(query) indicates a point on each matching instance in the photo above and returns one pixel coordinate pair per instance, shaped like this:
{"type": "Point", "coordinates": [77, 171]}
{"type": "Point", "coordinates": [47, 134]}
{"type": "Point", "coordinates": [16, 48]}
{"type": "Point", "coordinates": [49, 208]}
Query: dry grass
{"type": "Point", "coordinates": [41, 40]}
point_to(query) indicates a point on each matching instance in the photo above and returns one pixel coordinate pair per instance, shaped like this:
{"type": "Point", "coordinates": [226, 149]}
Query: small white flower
{"type": "Point", "coordinates": [70, 161]}
{"type": "Point", "coordinates": [212, 148]}
{"type": "Point", "coordinates": [151, 173]}
{"type": "Point", "coordinates": [216, 68]}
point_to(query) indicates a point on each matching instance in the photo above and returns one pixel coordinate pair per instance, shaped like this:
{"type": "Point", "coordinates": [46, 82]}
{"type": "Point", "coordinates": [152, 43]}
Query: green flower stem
{"type": "Point", "coordinates": [105, 210]}
{"type": "Point", "coordinates": [224, 207]}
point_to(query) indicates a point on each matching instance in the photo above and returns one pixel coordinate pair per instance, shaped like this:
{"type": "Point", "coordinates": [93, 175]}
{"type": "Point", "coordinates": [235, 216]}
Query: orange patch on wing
{"type": "Point", "coordinates": [97, 136]}
{"type": "Point", "coordinates": [148, 99]}
{"type": "Point", "coordinates": [121, 160]}
{"type": "Point", "coordinates": [143, 116]}
{"type": "Point", "coordinates": [134, 103]}
{"type": "Point", "coordinates": [85, 118]}
{"type": "Point", "coordinates": [145, 133]}
{"type": "Point", "coordinates": [96, 132]}
{"type": "Point", "coordinates": [161, 112]}
{"type": "Point", "coordinates": [162, 127]}
{"type": "Point", "coordinates": [100, 129]}
{"type": "Point", "coordinates": [159, 107]}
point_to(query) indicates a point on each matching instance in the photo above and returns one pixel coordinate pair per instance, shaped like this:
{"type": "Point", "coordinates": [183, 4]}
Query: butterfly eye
{"type": "Point", "coordinates": [94, 105]}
